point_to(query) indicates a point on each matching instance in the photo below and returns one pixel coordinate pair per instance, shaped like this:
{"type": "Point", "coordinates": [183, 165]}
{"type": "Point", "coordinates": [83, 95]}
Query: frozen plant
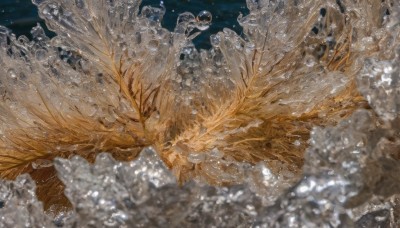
{"type": "Point", "coordinates": [113, 80]}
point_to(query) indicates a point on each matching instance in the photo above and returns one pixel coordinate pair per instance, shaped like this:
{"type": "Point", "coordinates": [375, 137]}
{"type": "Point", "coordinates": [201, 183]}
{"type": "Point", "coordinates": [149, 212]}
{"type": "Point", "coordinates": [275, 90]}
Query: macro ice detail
{"type": "Point", "coordinates": [19, 206]}
{"type": "Point", "coordinates": [144, 193]}
{"type": "Point", "coordinates": [292, 124]}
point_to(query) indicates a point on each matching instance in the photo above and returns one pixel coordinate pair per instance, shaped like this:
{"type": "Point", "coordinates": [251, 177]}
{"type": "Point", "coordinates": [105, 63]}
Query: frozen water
{"type": "Point", "coordinates": [220, 137]}
{"type": "Point", "coordinates": [19, 206]}
{"type": "Point", "coordinates": [144, 193]}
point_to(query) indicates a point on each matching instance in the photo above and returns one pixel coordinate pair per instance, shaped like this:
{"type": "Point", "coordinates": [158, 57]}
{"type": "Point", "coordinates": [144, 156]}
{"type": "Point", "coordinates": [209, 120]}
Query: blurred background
{"type": "Point", "coordinates": [21, 15]}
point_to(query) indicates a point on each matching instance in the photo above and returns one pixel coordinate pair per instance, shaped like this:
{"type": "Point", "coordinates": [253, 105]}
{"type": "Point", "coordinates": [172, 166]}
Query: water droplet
{"type": "Point", "coordinates": [203, 19]}
{"type": "Point", "coordinates": [11, 73]}
{"type": "Point", "coordinates": [40, 54]}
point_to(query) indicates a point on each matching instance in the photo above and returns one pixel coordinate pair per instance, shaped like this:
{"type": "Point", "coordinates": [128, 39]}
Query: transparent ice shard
{"type": "Point", "coordinates": [19, 206]}
{"type": "Point", "coordinates": [342, 171]}
{"type": "Point", "coordinates": [145, 193]}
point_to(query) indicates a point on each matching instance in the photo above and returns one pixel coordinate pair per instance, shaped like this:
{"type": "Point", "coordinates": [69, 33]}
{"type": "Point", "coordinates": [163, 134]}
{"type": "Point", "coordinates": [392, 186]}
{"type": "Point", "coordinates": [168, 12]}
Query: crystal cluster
{"type": "Point", "coordinates": [141, 193]}
{"type": "Point", "coordinates": [19, 206]}
{"type": "Point", "coordinates": [349, 176]}
{"type": "Point", "coordinates": [144, 193]}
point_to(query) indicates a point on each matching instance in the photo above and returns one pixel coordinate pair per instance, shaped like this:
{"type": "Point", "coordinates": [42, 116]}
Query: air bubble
{"type": "Point", "coordinates": [203, 19]}
{"type": "Point", "coordinates": [11, 73]}
{"type": "Point", "coordinates": [40, 54]}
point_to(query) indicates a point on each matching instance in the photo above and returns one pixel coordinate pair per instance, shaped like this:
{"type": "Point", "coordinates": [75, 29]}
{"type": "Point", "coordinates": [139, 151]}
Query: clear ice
{"type": "Point", "coordinates": [350, 175]}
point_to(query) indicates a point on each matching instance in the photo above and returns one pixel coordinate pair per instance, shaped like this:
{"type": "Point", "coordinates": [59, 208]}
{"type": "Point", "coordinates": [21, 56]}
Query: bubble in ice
{"type": "Point", "coordinates": [40, 54]}
{"type": "Point", "coordinates": [11, 73]}
{"type": "Point", "coordinates": [203, 19]}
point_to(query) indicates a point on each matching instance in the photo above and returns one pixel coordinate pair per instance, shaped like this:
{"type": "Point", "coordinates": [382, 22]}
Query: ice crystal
{"type": "Point", "coordinates": [19, 206]}
{"type": "Point", "coordinates": [293, 124]}
{"type": "Point", "coordinates": [144, 193]}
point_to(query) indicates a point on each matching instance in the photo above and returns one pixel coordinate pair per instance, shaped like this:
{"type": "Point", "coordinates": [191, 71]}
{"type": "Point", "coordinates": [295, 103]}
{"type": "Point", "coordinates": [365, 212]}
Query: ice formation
{"type": "Point", "coordinates": [293, 124]}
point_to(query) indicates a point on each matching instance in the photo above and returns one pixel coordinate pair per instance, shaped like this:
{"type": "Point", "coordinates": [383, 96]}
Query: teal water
{"type": "Point", "coordinates": [21, 15]}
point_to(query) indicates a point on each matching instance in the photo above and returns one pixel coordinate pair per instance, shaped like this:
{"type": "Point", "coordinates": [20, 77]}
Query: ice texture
{"type": "Point", "coordinates": [144, 193]}
{"type": "Point", "coordinates": [349, 176]}
{"type": "Point", "coordinates": [19, 206]}
{"type": "Point", "coordinates": [344, 168]}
